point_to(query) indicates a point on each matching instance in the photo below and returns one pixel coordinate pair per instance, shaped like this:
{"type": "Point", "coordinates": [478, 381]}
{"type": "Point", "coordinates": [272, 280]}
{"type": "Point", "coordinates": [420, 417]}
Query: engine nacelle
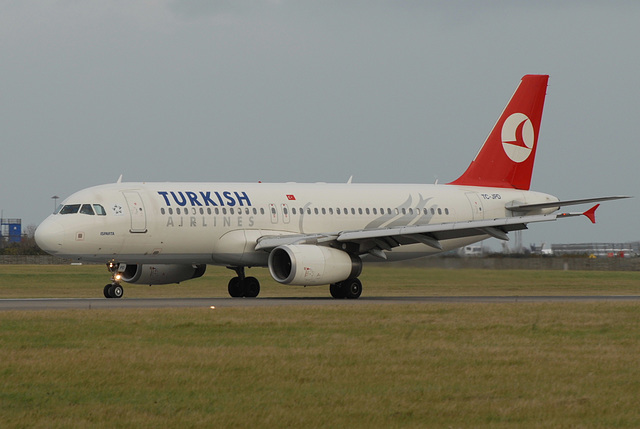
{"type": "Point", "coordinates": [160, 274]}
{"type": "Point", "coordinates": [308, 265]}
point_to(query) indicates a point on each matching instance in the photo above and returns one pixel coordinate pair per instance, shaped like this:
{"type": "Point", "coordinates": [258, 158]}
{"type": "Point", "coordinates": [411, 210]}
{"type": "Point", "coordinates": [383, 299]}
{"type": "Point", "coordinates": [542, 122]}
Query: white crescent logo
{"type": "Point", "coordinates": [518, 137]}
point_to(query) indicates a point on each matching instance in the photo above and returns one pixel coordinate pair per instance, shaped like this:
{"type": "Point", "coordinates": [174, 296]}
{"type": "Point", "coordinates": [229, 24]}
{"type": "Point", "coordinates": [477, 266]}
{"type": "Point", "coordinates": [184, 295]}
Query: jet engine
{"type": "Point", "coordinates": [160, 274]}
{"type": "Point", "coordinates": [308, 265]}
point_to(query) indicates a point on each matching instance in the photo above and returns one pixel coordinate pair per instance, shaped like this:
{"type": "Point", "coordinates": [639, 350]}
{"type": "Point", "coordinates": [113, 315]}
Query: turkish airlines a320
{"type": "Point", "coordinates": [308, 234]}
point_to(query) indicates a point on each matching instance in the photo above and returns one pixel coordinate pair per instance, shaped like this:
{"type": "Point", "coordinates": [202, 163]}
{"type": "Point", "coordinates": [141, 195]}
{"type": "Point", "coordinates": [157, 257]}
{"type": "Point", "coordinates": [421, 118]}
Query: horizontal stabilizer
{"type": "Point", "coordinates": [531, 207]}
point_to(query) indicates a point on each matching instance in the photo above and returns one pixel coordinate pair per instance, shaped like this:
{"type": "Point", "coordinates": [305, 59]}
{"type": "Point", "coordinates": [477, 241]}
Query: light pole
{"type": "Point", "coordinates": [55, 201]}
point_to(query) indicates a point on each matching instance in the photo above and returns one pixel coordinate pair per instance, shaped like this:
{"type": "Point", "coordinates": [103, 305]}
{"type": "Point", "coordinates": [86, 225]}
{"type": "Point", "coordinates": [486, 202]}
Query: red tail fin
{"type": "Point", "coordinates": [505, 160]}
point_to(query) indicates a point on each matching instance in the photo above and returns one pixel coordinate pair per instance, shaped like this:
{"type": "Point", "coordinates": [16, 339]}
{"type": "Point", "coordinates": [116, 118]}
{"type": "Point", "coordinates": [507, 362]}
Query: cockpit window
{"type": "Point", "coordinates": [70, 209]}
{"type": "Point", "coordinates": [58, 209]}
{"type": "Point", "coordinates": [86, 209]}
{"type": "Point", "coordinates": [99, 210]}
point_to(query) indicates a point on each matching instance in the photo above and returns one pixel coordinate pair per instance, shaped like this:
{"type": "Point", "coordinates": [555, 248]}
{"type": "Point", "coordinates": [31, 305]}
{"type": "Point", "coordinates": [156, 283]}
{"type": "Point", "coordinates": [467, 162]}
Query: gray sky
{"type": "Point", "coordinates": [386, 91]}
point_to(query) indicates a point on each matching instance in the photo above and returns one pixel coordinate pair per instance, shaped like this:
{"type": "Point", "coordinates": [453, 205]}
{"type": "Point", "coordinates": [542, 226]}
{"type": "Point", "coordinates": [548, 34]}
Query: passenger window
{"type": "Point", "coordinates": [161, 210]}
{"type": "Point", "coordinates": [86, 209]}
{"type": "Point", "coordinates": [70, 209]}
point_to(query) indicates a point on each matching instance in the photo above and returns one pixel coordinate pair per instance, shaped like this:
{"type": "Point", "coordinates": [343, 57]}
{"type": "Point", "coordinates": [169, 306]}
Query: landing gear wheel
{"type": "Point", "coordinates": [352, 288]}
{"type": "Point", "coordinates": [116, 291]}
{"type": "Point", "coordinates": [251, 287]}
{"type": "Point", "coordinates": [236, 288]}
{"type": "Point", "coordinates": [113, 290]}
{"type": "Point", "coordinates": [337, 290]}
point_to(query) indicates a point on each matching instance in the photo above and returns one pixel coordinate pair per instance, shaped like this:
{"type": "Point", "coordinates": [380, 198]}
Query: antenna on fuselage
{"type": "Point", "coordinates": [119, 179]}
{"type": "Point", "coordinates": [350, 179]}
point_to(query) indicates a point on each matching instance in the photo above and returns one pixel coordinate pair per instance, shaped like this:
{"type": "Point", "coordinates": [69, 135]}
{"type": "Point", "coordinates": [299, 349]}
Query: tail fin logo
{"type": "Point", "coordinates": [518, 137]}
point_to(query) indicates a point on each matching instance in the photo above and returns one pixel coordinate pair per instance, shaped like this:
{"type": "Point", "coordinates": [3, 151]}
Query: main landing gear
{"type": "Point", "coordinates": [350, 289]}
{"type": "Point", "coordinates": [249, 287]}
{"type": "Point", "coordinates": [113, 289]}
{"type": "Point", "coordinates": [241, 286]}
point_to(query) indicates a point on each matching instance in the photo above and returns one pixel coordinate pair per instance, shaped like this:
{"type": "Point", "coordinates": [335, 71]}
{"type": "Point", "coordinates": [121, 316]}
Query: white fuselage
{"type": "Point", "coordinates": [220, 223]}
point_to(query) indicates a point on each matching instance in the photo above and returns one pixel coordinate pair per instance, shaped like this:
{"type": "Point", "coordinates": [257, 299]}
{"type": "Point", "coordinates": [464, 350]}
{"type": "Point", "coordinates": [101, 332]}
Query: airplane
{"type": "Point", "coordinates": [308, 234]}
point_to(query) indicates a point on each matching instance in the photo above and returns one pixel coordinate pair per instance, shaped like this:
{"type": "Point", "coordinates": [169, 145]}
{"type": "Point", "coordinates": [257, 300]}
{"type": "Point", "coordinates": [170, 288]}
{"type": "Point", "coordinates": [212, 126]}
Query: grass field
{"type": "Point", "coordinates": [87, 281]}
{"type": "Point", "coordinates": [419, 365]}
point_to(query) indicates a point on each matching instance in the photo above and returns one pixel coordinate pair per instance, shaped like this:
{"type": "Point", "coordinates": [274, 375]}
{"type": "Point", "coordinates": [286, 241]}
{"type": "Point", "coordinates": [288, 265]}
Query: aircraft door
{"type": "Point", "coordinates": [136, 212]}
{"type": "Point", "coordinates": [477, 210]}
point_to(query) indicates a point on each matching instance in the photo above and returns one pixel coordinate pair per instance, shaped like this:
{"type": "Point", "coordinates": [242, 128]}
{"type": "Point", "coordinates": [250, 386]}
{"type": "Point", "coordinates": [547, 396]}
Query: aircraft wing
{"type": "Point", "coordinates": [374, 241]}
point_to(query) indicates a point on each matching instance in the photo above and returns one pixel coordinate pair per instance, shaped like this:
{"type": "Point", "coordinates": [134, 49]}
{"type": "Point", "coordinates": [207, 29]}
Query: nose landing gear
{"type": "Point", "coordinates": [113, 289]}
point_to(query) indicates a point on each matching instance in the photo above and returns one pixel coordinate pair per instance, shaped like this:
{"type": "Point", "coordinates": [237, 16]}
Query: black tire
{"type": "Point", "coordinates": [337, 290]}
{"type": "Point", "coordinates": [107, 294]}
{"type": "Point", "coordinates": [352, 288]}
{"type": "Point", "coordinates": [251, 287]}
{"type": "Point", "coordinates": [116, 291]}
{"type": "Point", "coordinates": [235, 288]}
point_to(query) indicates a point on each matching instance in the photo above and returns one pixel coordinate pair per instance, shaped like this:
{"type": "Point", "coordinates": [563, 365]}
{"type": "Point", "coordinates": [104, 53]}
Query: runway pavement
{"type": "Point", "coordinates": [103, 303]}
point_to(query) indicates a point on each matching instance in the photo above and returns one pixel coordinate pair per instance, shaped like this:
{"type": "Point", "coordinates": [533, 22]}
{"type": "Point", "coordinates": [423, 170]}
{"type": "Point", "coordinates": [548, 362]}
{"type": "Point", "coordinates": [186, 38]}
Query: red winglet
{"type": "Point", "coordinates": [591, 213]}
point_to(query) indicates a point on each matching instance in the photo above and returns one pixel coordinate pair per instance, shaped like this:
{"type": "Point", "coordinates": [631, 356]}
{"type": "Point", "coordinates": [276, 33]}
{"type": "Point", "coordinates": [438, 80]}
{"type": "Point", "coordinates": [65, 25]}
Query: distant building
{"type": "Point", "coordinates": [472, 250]}
{"type": "Point", "coordinates": [544, 249]}
{"type": "Point", "coordinates": [598, 250]}
{"type": "Point", "coordinates": [10, 231]}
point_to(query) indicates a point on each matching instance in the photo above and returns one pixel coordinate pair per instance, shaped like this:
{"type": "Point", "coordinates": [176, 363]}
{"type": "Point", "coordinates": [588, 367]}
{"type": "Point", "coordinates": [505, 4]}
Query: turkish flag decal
{"type": "Point", "coordinates": [291, 197]}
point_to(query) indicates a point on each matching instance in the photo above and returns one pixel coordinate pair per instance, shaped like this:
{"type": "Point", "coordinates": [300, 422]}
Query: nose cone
{"type": "Point", "coordinates": [49, 236]}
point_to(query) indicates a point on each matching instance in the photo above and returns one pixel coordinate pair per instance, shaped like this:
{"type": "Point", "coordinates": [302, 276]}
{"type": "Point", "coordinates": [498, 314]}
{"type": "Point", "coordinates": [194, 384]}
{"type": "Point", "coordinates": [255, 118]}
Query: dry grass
{"type": "Point", "coordinates": [436, 365]}
{"type": "Point", "coordinates": [87, 281]}
{"type": "Point", "coordinates": [421, 365]}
